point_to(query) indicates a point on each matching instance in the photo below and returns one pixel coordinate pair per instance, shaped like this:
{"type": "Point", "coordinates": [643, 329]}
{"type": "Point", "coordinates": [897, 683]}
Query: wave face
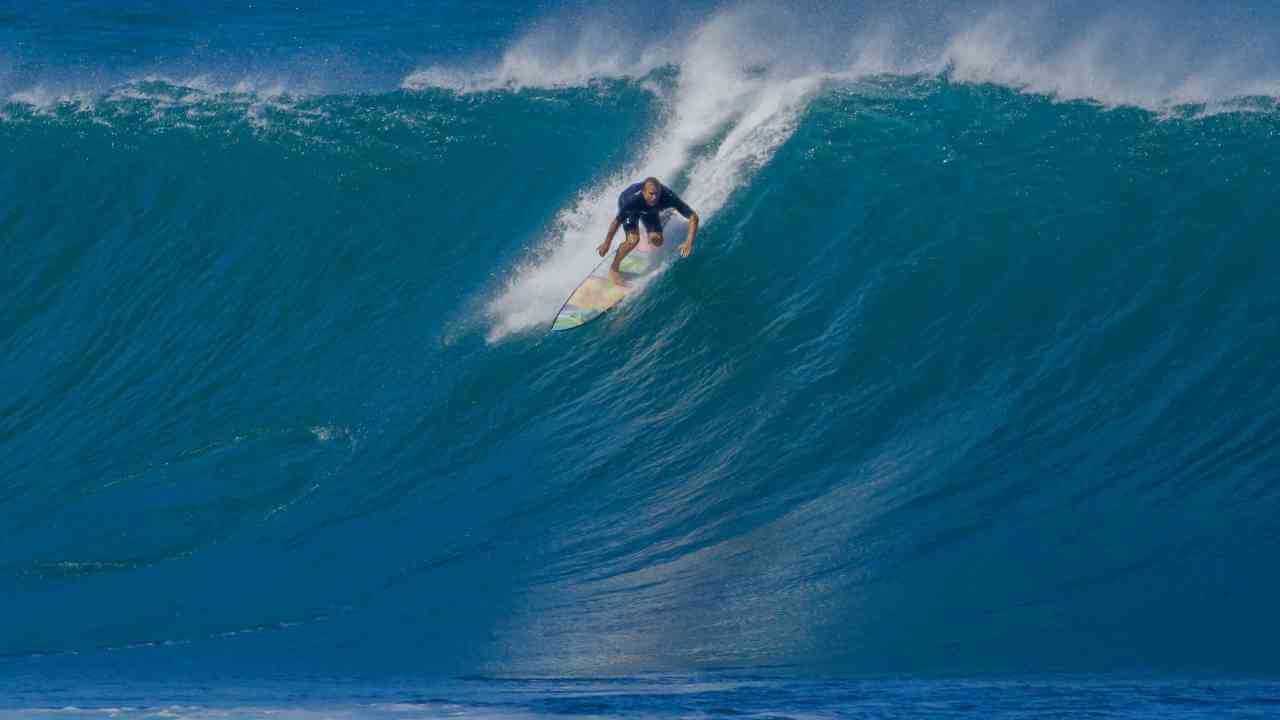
{"type": "Point", "coordinates": [973, 368]}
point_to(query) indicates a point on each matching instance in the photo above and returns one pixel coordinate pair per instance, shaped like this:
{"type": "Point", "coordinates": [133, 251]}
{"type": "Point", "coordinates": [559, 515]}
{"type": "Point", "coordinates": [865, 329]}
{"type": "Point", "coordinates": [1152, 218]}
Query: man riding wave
{"type": "Point", "coordinates": [642, 202]}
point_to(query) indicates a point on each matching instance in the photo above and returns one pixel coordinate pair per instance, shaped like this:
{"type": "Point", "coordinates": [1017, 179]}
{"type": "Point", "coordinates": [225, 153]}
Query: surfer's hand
{"type": "Point", "coordinates": [604, 248]}
{"type": "Point", "coordinates": [685, 249]}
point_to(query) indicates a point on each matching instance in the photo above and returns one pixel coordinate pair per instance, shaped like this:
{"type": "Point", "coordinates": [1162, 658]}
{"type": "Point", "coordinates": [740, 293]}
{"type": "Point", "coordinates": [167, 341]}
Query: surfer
{"type": "Point", "coordinates": [642, 202]}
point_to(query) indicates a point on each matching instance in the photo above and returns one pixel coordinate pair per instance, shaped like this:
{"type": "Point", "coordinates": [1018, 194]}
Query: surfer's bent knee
{"type": "Point", "coordinates": [655, 239]}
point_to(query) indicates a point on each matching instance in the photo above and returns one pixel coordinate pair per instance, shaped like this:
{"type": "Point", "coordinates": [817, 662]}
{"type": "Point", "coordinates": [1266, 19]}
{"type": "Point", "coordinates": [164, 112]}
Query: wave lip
{"type": "Point", "coordinates": [1113, 62]}
{"type": "Point", "coordinates": [1150, 60]}
{"type": "Point", "coordinates": [521, 70]}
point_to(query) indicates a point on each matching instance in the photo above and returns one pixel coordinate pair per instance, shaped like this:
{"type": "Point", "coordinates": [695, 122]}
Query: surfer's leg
{"type": "Point", "coordinates": [655, 239]}
{"type": "Point", "coordinates": [633, 239]}
{"type": "Point", "coordinates": [615, 271]}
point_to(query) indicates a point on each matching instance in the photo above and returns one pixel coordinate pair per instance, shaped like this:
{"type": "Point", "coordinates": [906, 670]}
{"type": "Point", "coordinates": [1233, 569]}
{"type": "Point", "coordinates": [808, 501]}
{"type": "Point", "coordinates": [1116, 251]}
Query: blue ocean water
{"type": "Point", "coordinates": [670, 696]}
{"type": "Point", "coordinates": [964, 405]}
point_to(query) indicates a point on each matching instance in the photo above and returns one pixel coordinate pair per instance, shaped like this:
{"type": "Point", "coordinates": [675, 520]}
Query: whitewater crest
{"type": "Point", "coordinates": [1132, 59]}
{"type": "Point", "coordinates": [169, 102]}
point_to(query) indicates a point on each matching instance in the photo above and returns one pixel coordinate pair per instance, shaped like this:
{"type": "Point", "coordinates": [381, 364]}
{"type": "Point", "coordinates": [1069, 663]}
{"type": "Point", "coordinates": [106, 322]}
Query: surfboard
{"type": "Point", "coordinates": [597, 292]}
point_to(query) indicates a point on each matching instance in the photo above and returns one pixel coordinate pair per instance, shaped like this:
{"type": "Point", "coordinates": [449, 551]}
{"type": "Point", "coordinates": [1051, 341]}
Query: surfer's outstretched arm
{"type": "Point", "coordinates": [687, 246]}
{"type": "Point", "coordinates": [608, 239]}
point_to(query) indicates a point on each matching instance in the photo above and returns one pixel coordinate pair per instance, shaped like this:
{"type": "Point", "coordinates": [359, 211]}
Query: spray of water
{"type": "Point", "coordinates": [742, 96]}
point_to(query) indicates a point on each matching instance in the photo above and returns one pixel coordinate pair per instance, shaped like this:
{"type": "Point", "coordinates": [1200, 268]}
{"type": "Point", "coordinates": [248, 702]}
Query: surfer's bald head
{"type": "Point", "coordinates": [652, 190]}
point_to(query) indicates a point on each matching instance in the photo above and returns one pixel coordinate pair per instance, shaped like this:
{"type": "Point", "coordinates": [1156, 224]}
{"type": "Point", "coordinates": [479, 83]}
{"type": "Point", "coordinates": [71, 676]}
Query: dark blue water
{"type": "Point", "coordinates": [971, 373]}
{"type": "Point", "coordinates": [721, 694]}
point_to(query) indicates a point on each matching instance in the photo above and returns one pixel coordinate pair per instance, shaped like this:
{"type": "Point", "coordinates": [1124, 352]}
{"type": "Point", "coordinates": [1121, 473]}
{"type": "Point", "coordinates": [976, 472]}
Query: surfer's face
{"type": "Point", "coordinates": [651, 194]}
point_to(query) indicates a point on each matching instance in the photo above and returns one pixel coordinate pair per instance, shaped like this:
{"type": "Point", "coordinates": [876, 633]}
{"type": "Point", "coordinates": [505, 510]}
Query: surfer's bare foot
{"type": "Point", "coordinates": [616, 276]}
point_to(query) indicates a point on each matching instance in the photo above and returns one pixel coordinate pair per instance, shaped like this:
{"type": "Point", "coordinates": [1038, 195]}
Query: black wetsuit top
{"type": "Point", "coordinates": [632, 208]}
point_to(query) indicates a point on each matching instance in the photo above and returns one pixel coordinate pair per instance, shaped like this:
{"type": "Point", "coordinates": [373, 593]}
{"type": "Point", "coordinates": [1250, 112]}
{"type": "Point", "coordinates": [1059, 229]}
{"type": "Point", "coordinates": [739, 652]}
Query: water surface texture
{"type": "Point", "coordinates": [973, 369]}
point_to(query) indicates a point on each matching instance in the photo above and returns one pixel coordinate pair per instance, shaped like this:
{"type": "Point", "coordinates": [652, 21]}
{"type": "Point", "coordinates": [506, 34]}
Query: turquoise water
{"type": "Point", "coordinates": [971, 371]}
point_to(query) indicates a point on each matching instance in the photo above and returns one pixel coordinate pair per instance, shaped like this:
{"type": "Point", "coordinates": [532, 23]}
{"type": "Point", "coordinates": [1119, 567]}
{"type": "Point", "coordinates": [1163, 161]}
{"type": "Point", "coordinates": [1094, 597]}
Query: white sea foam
{"type": "Point", "coordinates": [42, 98]}
{"type": "Point", "coordinates": [557, 55]}
{"type": "Point", "coordinates": [1118, 58]}
{"type": "Point", "coordinates": [1113, 61]}
{"type": "Point", "coordinates": [167, 96]}
{"type": "Point", "coordinates": [523, 68]}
